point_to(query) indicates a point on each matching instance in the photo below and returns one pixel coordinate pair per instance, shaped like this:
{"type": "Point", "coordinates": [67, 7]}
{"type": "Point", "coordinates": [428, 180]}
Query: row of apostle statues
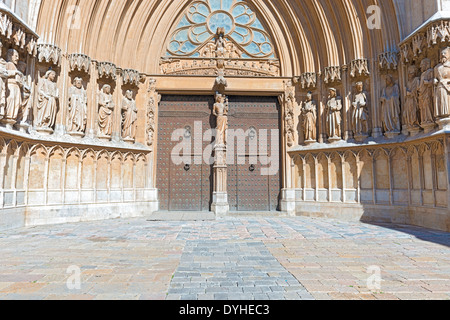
{"type": "Point", "coordinates": [426, 102]}
{"type": "Point", "coordinates": [16, 105]}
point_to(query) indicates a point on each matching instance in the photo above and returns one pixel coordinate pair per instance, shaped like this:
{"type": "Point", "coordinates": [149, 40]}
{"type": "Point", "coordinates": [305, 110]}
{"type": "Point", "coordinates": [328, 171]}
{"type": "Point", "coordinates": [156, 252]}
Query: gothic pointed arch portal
{"type": "Point", "coordinates": [193, 44]}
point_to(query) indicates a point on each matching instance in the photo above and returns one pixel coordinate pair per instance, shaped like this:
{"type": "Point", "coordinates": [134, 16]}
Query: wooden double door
{"type": "Point", "coordinates": [184, 174]}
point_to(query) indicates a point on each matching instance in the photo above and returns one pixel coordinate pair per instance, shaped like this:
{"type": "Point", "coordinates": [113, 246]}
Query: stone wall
{"type": "Point", "coordinates": [404, 182]}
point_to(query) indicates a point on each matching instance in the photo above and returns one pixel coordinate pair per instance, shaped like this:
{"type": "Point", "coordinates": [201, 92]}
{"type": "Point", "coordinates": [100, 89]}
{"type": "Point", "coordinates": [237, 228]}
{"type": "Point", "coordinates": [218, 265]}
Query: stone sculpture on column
{"type": "Point", "coordinates": [390, 108]}
{"type": "Point", "coordinates": [425, 92]}
{"type": "Point", "coordinates": [442, 89]}
{"type": "Point", "coordinates": [221, 113]}
{"type": "Point", "coordinates": [24, 111]}
{"type": "Point", "coordinates": [309, 113]}
{"type": "Point", "coordinates": [334, 118]}
{"type": "Point", "coordinates": [410, 112]}
{"type": "Point", "coordinates": [3, 79]}
{"type": "Point", "coordinates": [105, 112]}
{"type": "Point", "coordinates": [129, 117]}
{"type": "Point", "coordinates": [47, 103]}
{"type": "Point", "coordinates": [77, 116]}
{"type": "Point", "coordinates": [13, 90]}
{"type": "Point", "coordinates": [360, 115]}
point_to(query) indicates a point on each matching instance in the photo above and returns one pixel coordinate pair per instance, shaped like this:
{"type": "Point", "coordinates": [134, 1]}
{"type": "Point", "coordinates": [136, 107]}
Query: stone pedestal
{"type": "Point", "coordinates": [428, 127]}
{"type": "Point", "coordinates": [334, 139]}
{"type": "Point", "coordinates": [414, 131]}
{"type": "Point", "coordinates": [24, 127]}
{"type": "Point", "coordinates": [104, 138]}
{"type": "Point", "coordinates": [9, 124]}
{"type": "Point", "coordinates": [309, 142]}
{"type": "Point", "coordinates": [361, 137]}
{"type": "Point", "coordinates": [392, 135]}
{"type": "Point", "coordinates": [220, 204]}
{"type": "Point", "coordinates": [129, 140]}
{"type": "Point", "coordinates": [45, 131]}
{"type": "Point", "coordinates": [288, 203]}
{"type": "Point", "coordinates": [444, 124]}
{"type": "Point", "coordinates": [77, 135]}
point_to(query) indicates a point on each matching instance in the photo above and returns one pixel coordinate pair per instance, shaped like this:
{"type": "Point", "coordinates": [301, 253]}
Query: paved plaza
{"type": "Point", "coordinates": [245, 258]}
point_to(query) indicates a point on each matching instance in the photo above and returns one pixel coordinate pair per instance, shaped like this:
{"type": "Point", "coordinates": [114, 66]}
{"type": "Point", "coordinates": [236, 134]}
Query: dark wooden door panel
{"type": "Point", "coordinates": [187, 186]}
{"type": "Point", "coordinates": [248, 188]}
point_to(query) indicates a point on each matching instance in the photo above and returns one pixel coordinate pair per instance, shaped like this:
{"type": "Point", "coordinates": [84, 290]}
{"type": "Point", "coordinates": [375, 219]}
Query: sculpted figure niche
{"type": "Point", "coordinates": [442, 83]}
{"type": "Point", "coordinates": [390, 108]}
{"type": "Point", "coordinates": [77, 117]}
{"type": "Point", "coordinates": [425, 92]}
{"type": "Point", "coordinates": [24, 111]}
{"type": "Point", "coordinates": [309, 113]}
{"type": "Point", "coordinates": [129, 117]}
{"type": "Point", "coordinates": [360, 116]}
{"type": "Point", "coordinates": [105, 112]}
{"type": "Point", "coordinates": [3, 79]}
{"type": "Point", "coordinates": [334, 118]}
{"type": "Point", "coordinates": [47, 103]}
{"type": "Point", "coordinates": [13, 89]}
{"type": "Point", "coordinates": [410, 112]}
{"type": "Point", "coordinates": [220, 110]}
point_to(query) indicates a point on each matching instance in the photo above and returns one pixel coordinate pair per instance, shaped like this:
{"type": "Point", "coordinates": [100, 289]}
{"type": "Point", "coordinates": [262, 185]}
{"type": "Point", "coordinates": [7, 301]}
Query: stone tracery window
{"type": "Point", "coordinates": [199, 25]}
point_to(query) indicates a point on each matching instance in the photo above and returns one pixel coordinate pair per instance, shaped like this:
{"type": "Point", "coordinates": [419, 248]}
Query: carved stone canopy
{"type": "Point", "coordinates": [17, 33]}
{"type": "Point", "coordinates": [49, 53]}
{"type": "Point", "coordinates": [107, 70]}
{"type": "Point", "coordinates": [80, 62]}
{"type": "Point", "coordinates": [130, 76]}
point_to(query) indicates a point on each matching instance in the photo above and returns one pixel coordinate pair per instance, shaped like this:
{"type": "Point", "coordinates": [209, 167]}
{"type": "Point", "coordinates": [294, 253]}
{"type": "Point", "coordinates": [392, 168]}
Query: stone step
{"type": "Point", "coordinates": [181, 216]}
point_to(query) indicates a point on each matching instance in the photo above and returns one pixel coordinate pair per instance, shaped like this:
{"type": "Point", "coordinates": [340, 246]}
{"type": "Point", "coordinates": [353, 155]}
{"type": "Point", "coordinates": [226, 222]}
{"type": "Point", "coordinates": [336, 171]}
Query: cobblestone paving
{"type": "Point", "coordinates": [234, 258]}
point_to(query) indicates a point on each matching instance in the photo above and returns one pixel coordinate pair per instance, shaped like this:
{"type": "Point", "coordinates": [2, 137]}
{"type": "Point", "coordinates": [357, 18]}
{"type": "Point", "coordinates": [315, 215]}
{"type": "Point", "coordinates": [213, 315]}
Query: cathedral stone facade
{"type": "Point", "coordinates": [323, 108]}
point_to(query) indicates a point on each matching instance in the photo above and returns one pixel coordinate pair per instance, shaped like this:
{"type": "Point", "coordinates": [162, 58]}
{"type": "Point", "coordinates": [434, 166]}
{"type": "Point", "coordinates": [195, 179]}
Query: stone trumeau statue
{"type": "Point", "coordinates": [105, 112]}
{"type": "Point", "coordinates": [425, 92]}
{"type": "Point", "coordinates": [221, 113]}
{"type": "Point", "coordinates": [442, 86]}
{"type": "Point", "coordinates": [411, 108]}
{"type": "Point", "coordinates": [309, 113]}
{"type": "Point", "coordinates": [390, 108]}
{"type": "Point", "coordinates": [77, 115]}
{"type": "Point", "coordinates": [334, 116]}
{"type": "Point", "coordinates": [129, 117]}
{"type": "Point", "coordinates": [360, 114]}
{"type": "Point", "coordinates": [47, 104]}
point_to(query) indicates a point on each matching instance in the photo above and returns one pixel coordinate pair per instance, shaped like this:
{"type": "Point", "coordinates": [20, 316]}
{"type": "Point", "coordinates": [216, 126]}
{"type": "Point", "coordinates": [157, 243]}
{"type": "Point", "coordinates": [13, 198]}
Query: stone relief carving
{"type": "Point", "coordinates": [333, 116]}
{"type": "Point", "coordinates": [309, 115]}
{"type": "Point", "coordinates": [129, 117]}
{"type": "Point", "coordinates": [107, 70]}
{"type": "Point", "coordinates": [332, 74]}
{"type": "Point", "coordinates": [77, 115]}
{"type": "Point", "coordinates": [390, 108]}
{"type": "Point", "coordinates": [47, 103]}
{"type": "Point", "coordinates": [289, 102]}
{"type": "Point", "coordinates": [105, 112]}
{"type": "Point", "coordinates": [153, 102]}
{"type": "Point", "coordinates": [360, 114]}
{"type": "Point", "coordinates": [3, 80]}
{"type": "Point", "coordinates": [24, 112]}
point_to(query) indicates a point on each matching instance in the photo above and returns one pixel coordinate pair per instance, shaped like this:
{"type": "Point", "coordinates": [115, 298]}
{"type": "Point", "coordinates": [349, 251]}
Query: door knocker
{"type": "Point", "coordinates": [187, 167]}
{"type": "Point", "coordinates": [252, 168]}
